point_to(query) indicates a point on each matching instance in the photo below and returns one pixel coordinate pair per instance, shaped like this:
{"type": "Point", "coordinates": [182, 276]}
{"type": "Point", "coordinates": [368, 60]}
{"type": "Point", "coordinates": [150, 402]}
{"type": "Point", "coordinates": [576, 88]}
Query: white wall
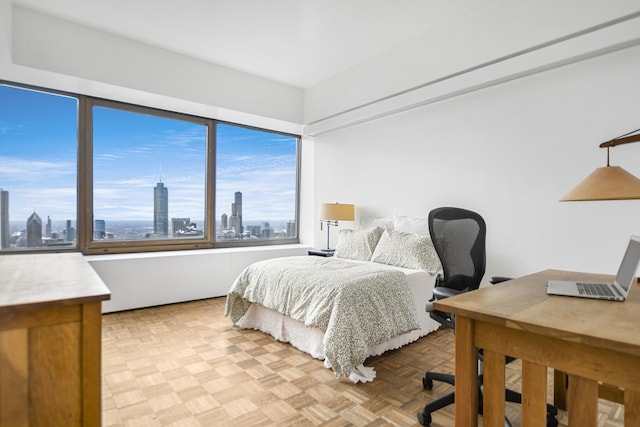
{"type": "Point", "coordinates": [498, 41]}
{"type": "Point", "coordinates": [509, 152]}
{"type": "Point", "coordinates": [149, 279]}
{"type": "Point", "coordinates": [43, 50]}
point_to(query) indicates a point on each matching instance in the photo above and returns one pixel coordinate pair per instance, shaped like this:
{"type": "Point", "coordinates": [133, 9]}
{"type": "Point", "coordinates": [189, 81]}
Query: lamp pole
{"type": "Point", "coordinates": [329, 222]}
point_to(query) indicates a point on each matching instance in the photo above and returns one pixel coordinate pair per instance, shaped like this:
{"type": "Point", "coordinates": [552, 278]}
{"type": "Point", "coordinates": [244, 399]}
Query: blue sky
{"type": "Point", "coordinates": [38, 151]}
{"type": "Point", "coordinates": [132, 152]}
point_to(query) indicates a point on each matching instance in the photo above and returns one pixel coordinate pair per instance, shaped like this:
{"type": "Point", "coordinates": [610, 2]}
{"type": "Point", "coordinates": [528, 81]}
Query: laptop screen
{"type": "Point", "coordinates": [629, 264]}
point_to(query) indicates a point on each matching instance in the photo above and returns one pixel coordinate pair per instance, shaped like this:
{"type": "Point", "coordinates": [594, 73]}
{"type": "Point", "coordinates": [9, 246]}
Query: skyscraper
{"type": "Point", "coordinates": [99, 230]}
{"type": "Point", "coordinates": [47, 232]}
{"type": "Point", "coordinates": [34, 231]}
{"type": "Point", "coordinates": [266, 232]}
{"type": "Point", "coordinates": [291, 229]}
{"type": "Point", "coordinates": [160, 210]}
{"type": "Point", "coordinates": [71, 232]}
{"type": "Point", "coordinates": [5, 233]}
{"type": "Point", "coordinates": [235, 221]}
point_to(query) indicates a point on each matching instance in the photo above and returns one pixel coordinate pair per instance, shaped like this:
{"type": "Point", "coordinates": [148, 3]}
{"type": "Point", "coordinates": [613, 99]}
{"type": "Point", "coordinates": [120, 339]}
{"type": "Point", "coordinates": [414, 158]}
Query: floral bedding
{"type": "Point", "coordinates": [356, 305]}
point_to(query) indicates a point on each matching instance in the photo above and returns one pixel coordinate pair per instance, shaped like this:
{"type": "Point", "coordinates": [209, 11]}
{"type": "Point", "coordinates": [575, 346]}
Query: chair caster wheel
{"type": "Point", "coordinates": [427, 383]}
{"type": "Point", "coordinates": [424, 419]}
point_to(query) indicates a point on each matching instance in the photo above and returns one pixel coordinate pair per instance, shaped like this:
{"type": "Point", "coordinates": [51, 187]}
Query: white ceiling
{"type": "Point", "coordinates": [297, 42]}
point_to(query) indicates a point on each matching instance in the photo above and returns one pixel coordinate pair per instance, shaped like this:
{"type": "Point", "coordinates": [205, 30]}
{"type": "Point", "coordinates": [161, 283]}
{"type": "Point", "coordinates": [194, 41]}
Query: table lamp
{"type": "Point", "coordinates": [608, 182]}
{"type": "Point", "coordinates": [331, 213]}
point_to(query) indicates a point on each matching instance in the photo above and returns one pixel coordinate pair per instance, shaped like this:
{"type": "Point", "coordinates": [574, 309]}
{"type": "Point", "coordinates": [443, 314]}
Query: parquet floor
{"type": "Point", "coordinates": [187, 365]}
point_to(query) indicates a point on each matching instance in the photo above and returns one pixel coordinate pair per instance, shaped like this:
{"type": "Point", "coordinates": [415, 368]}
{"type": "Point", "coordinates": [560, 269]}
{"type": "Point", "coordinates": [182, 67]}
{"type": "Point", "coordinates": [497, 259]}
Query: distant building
{"type": "Point", "coordinates": [71, 232]}
{"type": "Point", "coordinates": [160, 210]}
{"type": "Point", "coordinates": [235, 221]}
{"type": "Point", "coordinates": [254, 230]}
{"type": "Point", "coordinates": [99, 229]}
{"type": "Point", "coordinates": [47, 232]}
{"type": "Point", "coordinates": [179, 226]}
{"type": "Point", "coordinates": [34, 231]}
{"type": "Point", "coordinates": [266, 231]}
{"type": "Point", "coordinates": [224, 221]}
{"type": "Point", "coordinates": [291, 229]}
{"type": "Point", "coordinates": [183, 227]}
{"type": "Point", "coordinates": [5, 231]}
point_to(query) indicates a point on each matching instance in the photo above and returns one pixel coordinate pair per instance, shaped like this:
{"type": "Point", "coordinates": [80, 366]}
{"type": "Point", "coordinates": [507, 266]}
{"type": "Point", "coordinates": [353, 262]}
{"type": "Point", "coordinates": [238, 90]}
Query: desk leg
{"type": "Point", "coordinates": [631, 408]}
{"type": "Point", "coordinates": [534, 394]}
{"type": "Point", "coordinates": [493, 396]}
{"type": "Point", "coordinates": [91, 363]}
{"type": "Point", "coordinates": [466, 407]}
{"type": "Point", "coordinates": [582, 402]}
{"type": "Point", "coordinates": [560, 389]}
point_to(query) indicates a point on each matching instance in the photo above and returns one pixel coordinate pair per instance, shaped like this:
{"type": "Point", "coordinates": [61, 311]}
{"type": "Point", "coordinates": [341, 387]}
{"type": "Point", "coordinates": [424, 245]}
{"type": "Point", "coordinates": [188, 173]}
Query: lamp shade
{"type": "Point", "coordinates": [606, 183]}
{"type": "Point", "coordinates": [337, 211]}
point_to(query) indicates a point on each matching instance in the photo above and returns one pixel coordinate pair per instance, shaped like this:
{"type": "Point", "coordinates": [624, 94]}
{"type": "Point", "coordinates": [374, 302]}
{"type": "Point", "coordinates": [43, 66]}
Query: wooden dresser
{"type": "Point", "coordinates": [50, 340]}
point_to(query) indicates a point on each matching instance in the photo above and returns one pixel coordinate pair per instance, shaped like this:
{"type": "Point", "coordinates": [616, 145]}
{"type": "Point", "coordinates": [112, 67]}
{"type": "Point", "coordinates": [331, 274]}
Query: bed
{"type": "Point", "coordinates": [368, 299]}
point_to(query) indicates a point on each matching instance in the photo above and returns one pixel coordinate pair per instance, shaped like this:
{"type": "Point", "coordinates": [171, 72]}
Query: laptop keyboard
{"type": "Point", "coordinates": [595, 289]}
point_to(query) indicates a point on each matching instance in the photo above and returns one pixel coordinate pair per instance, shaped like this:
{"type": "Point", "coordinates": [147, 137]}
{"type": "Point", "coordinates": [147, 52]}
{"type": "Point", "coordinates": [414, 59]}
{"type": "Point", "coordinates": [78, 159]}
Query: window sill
{"type": "Point", "coordinates": [195, 252]}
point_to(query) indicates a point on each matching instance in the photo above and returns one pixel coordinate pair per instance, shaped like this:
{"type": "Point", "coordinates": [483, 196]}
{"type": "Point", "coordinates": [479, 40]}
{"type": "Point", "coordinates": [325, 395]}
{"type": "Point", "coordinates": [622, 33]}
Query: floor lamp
{"type": "Point", "coordinates": [331, 213]}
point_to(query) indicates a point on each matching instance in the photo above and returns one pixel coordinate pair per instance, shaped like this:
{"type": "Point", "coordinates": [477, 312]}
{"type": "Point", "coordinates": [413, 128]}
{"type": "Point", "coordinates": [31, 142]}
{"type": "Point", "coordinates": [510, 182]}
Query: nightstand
{"type": "Point", "coordinates": [318, 252]}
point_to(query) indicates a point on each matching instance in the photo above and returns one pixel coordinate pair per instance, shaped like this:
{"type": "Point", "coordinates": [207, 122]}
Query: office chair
{"type": "Point", "coordinates": [459, 237]}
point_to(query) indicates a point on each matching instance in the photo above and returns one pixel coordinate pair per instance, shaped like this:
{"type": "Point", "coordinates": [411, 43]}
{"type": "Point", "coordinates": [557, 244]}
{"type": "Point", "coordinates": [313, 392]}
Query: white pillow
{"type": "Point", "coordinates": [370, 222]}
{"type": "Point", "coordinates": [357, 244]}
{"type": "Point", "coordinates": [411, 224]}
{"type": "Point", "coordinates": [407, 250]}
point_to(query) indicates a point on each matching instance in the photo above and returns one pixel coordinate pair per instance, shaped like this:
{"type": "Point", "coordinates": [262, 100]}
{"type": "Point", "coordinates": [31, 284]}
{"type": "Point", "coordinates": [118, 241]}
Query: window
{"type": "Point", "coordinates": [256, 181]}
{"type": "Point", "coordinates": [38, 170]}
{"type": "Point", "coordinates": [106, 177]}
{"type": "Point", "coordinates": [149, 175]}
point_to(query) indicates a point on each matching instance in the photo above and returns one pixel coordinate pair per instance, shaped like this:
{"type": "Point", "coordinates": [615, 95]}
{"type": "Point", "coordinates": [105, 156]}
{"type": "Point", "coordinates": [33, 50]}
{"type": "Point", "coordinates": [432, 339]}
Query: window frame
{"type": "Point", "coordinates": [85, 242]}
{"type": "Point", "coordinates": [44, 249]}
{"type": "Point", "coordinates": [90, 246]}
{"type": "Point", "coordinates": [263, 242]}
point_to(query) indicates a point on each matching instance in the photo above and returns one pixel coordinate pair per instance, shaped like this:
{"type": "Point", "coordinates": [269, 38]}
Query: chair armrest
{"type": "Point", "coordinates": [499, 279]}
{"type": "Point", "coordinates": [442, 292]}
{"type": "Point", "coordinates": [438, 294]}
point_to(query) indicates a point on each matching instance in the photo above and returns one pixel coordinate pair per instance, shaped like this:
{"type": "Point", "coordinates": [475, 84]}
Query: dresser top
{"type": "Point", "coordinates": [32, 280]}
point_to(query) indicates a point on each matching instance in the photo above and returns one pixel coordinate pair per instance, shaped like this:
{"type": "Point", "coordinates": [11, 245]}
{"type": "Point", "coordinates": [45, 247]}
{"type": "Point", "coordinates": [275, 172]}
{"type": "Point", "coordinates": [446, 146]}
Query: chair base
{"type": "Point", "coordinates": [424, 416]}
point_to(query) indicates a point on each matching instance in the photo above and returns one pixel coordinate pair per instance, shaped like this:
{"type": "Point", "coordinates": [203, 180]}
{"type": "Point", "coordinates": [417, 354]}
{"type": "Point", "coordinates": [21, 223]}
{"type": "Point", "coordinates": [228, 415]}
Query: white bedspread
{"type": "Point", "coordinates": [356, 305]}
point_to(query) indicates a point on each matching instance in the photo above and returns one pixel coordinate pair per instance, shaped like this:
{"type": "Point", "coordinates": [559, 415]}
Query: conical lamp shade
{"type": "Point", "coordinates": [606, 183]}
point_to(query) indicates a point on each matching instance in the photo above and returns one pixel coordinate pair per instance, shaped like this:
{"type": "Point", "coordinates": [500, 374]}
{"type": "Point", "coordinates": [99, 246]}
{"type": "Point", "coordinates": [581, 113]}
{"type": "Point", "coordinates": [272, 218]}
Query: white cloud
{"type": "Point", "coordinates": [59, 203]}
{"type": "Point", "coordinates": [21, 170]}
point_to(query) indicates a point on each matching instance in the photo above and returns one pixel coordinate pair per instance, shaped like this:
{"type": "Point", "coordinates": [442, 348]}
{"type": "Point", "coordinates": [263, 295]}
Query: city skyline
{"type": "Point", "coordinates": [38, 162]}
{"type": "Point", "coordinates": [37, 233]}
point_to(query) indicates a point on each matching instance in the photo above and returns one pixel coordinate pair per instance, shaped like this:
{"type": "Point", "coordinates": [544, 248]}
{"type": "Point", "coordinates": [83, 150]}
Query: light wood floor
{"type": "Point", "coordinates": [187, 365]}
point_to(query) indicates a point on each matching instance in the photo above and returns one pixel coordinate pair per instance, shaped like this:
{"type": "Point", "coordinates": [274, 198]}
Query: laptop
{"type": "Point", "coordinates": [616, 291]}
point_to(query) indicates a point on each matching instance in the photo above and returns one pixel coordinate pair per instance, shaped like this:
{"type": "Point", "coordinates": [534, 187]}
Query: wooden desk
{"type": "Point", "coordinates": [50, 340]}
{"type": "Point", "coordinates": [591, 340]}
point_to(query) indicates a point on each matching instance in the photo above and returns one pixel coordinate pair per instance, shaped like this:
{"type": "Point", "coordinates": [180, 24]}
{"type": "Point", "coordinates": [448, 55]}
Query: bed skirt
{"type": "Point", "coordinates": [310, 340]}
